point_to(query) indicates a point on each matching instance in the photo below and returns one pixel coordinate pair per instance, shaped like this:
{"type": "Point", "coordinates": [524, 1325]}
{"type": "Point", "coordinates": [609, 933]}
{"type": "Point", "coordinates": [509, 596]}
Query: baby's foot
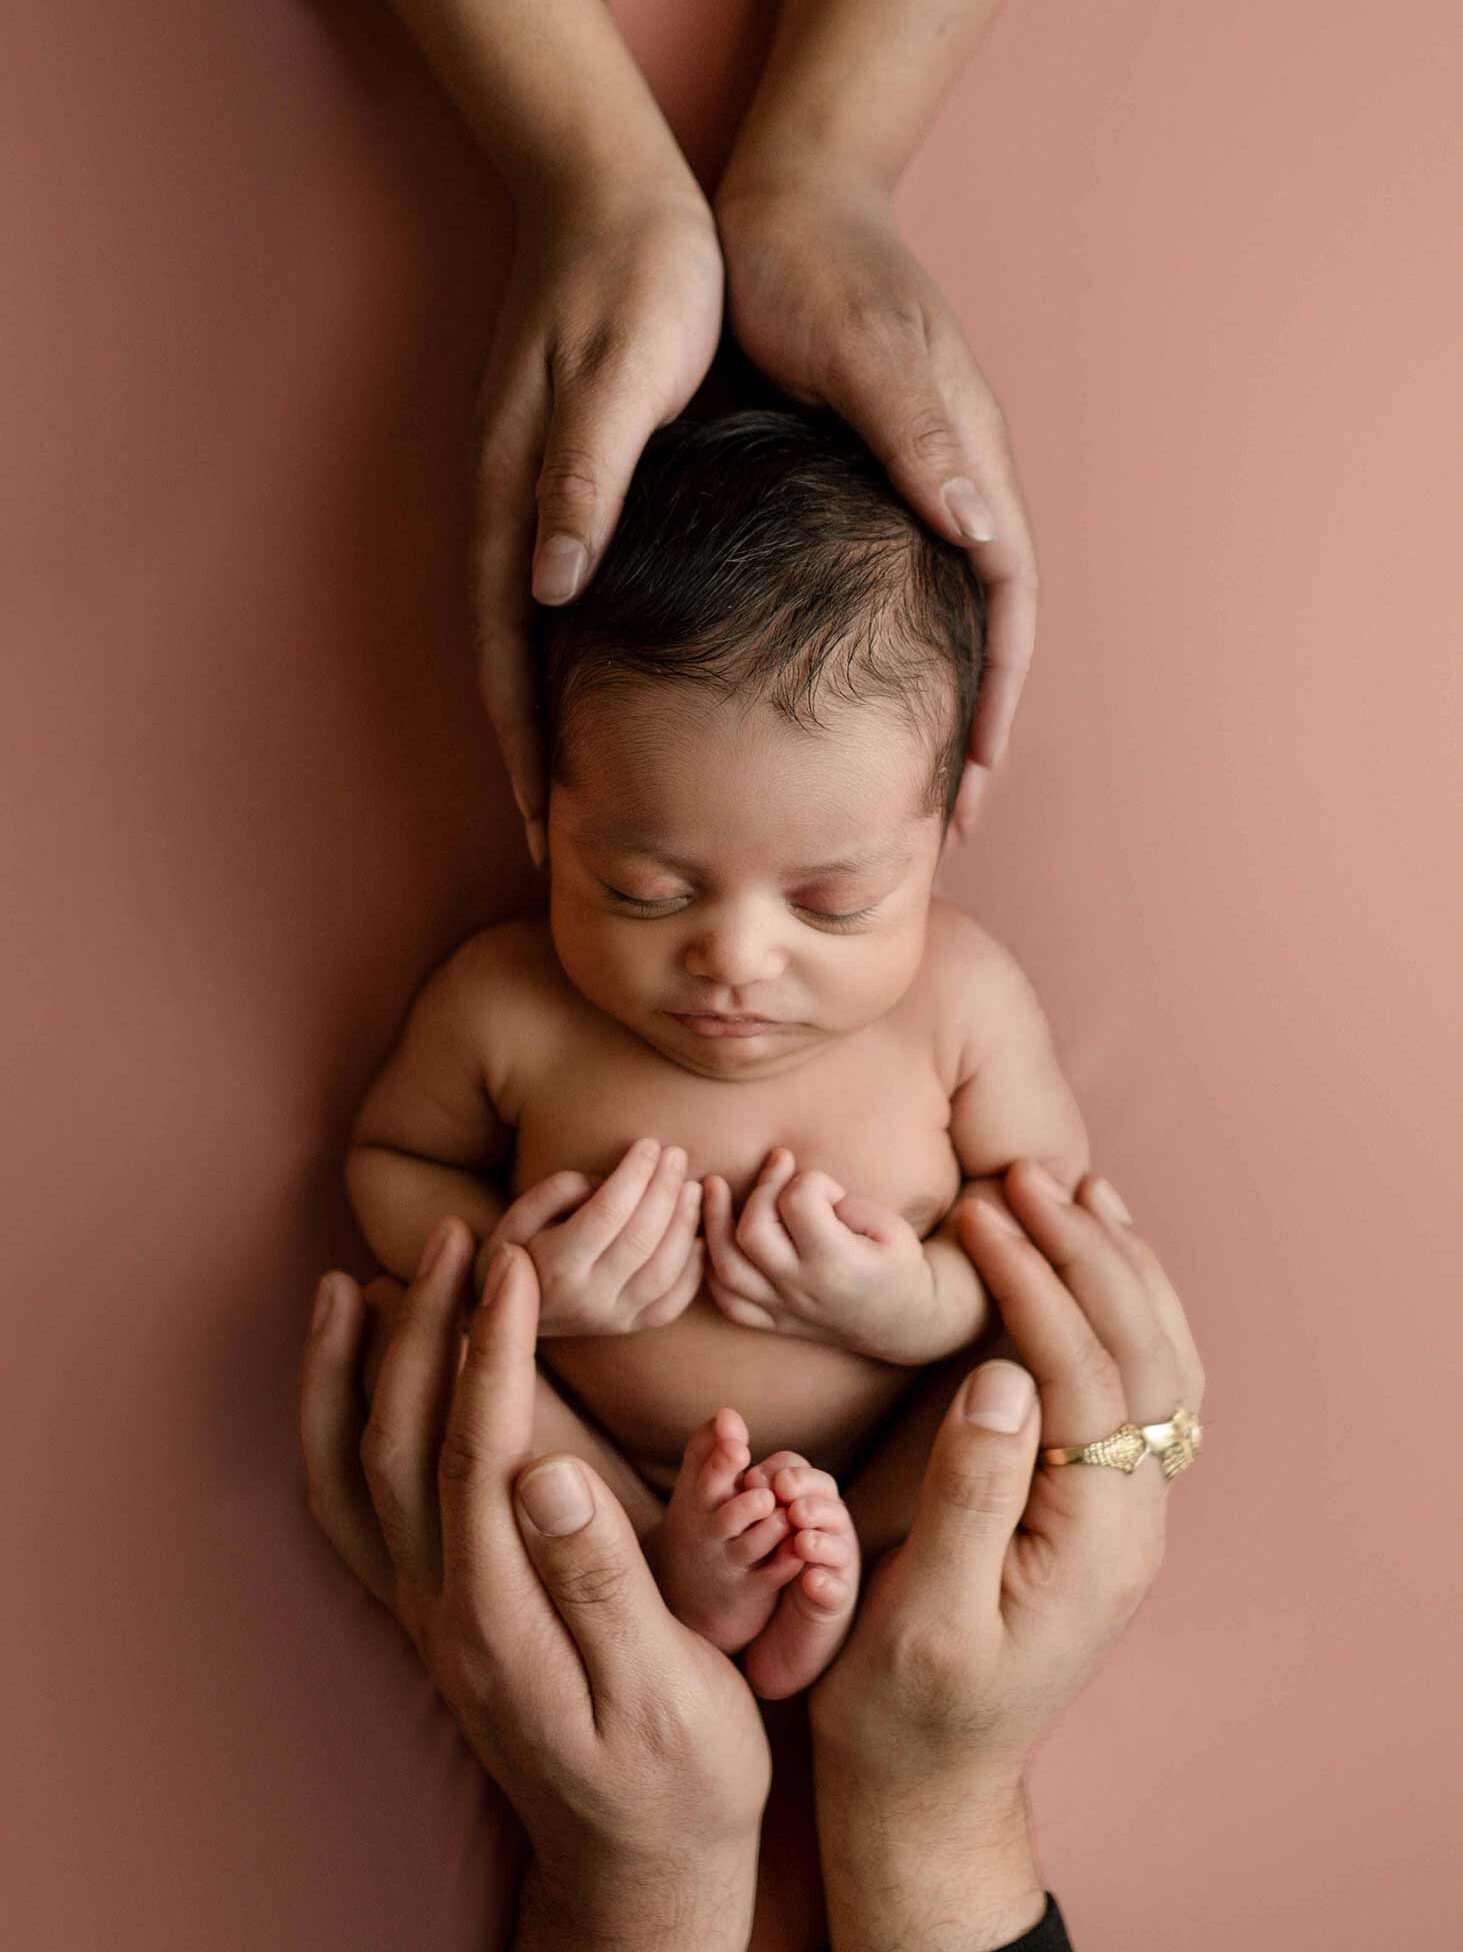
{"type": "Point", "coordinates": [711, 1549]}
{"type": "Point", "coordinates": [820, 1559]}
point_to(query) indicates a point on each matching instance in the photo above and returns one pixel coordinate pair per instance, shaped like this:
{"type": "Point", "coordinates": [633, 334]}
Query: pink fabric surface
{"type": "Point", "coordinates": [1208, 258]}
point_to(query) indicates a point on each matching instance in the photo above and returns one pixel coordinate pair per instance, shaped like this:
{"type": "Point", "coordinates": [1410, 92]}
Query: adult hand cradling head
{"type": "Point", "coordinates": [618, 1733]}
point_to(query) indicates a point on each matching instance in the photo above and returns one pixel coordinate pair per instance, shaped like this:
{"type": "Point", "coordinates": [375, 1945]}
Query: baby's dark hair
{"type": "Point", "coordinates": [765, 553]}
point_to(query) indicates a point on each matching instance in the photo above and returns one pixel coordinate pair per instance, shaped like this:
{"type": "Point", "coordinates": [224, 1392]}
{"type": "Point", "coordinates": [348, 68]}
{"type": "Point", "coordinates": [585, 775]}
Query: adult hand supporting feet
{"type": "Point", "coordinates": [616, 1733]}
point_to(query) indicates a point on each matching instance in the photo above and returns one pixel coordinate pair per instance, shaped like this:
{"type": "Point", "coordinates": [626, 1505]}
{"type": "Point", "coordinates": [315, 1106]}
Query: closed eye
{"type": "Point", "coordinates": [674, 904]}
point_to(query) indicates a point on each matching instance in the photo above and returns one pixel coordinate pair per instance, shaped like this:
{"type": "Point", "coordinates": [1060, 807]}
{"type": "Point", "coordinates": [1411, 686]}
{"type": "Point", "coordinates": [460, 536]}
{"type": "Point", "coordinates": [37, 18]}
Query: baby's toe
{"type": "Point", "coordinates": [712, 1462]}
{"type": "Point", "coordinates": [802, 1480]}
{"type": "Point", "coordinates": [825, 1589]}
{"type": "Point", "coordinates": [758, 1540]}
{"type": "Point", "coordinates": [731, 1519]}
{"type": "Point", "coordinates": [832, 1549]}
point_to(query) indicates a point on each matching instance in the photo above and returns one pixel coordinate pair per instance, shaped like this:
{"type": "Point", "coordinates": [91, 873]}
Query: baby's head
{"type": "Point", "coordinates": [757, 715]}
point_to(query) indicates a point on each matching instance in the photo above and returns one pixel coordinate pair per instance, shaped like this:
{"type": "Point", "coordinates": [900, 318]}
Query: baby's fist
{"type": "Point", "coordinates": [805, 1258]}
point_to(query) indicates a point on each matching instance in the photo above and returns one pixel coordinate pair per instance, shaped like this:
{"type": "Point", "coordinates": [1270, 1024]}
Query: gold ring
{"type": "Point", "coordinates": [1173, 1443]}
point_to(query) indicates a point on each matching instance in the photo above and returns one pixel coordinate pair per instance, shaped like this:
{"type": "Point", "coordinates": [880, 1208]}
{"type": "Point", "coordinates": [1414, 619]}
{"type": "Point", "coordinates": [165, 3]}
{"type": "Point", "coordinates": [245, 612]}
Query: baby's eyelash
{"type": "Point", "coordinates": [673, 904]}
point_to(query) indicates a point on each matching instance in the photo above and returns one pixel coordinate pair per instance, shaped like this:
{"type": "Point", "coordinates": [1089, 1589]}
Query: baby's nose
{"type": "Point", "coordinates": [735, 958]}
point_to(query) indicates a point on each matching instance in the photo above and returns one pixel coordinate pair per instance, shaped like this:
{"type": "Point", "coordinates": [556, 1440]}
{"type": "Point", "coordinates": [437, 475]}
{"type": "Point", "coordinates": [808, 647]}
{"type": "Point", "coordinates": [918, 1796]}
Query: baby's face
{"type": "Point", "coordinates": [711, 863]}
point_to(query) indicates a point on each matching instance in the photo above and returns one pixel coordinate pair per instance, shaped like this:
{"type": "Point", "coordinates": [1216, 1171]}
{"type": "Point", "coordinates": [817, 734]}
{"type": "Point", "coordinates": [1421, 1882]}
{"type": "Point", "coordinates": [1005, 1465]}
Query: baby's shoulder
{"type": "Point", "coordinates": [977, 989]}
{"type": "Point", "coordinates": [507, 991]}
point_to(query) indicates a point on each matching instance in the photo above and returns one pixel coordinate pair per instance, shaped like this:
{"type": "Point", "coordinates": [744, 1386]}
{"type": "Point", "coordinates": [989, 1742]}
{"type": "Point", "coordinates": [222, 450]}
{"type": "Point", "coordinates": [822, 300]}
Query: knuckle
{"type": "Point", "coordinates": [569, 478]}
{"type": "Point", "coordinates": [1096, 1369]}
{"type": "Point", "coordinates": [925, 437]}
{"type": "Point", "coordinates": [982, 1491]}
{"type": "Point", "coordinates": [585, 354]}
{"type": "Point", "coordinates": [459, 1460]}
{"type": "Point", "coordinates": [592, 1582]}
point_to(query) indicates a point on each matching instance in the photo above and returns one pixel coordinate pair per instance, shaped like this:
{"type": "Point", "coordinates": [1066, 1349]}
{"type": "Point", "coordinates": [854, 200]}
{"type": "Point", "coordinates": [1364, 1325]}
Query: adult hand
{"type": "Point", "coordinates": [1016, 1578]}
{"type": "Point", "coordinates": [610, 320]}
{"type": "Point", "coordinates": [825, 296]}
{"type": "Point", "coordinates": [615, 1732]}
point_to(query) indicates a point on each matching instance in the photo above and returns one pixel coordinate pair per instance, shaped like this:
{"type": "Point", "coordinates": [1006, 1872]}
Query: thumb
{"type": "Point", "coordinates": [597, 433]}
{"type": "Point", "coordinates": [585, 1552]}
{"type": "Point", "coordinates": [975, 1489]}
{"type": "Point", "coordinates": [901, 415]}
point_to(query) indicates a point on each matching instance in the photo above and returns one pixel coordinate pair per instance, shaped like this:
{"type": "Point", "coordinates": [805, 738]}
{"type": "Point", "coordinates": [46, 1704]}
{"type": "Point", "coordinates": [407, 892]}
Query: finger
{"type": "Point", "coordinates": [886, 388]}
{"type": "Point", "coordinates": [601, 418]}
{"type": "Point", "coordinates": [1082, 1395]}
{"type": "Point", "coordinates": [402, 1440]}
{"type": "Point", "coordinates": [678, 1298]}
{"type": "Point", "coordinates": [1010, 640]}
{"type": "Point", "coordinates": [604, 1213]}
{"type": "Point", "coordinates": [868, 1218]}
{"type": "Point", "coordinates": [805, 1207]}
{"type": "Point", "coordinates": [584, 1550]}
{"type": "Point", "coordinates": [667, 1265]}
{"type": "Point", "coordinates": [736, 1307]}
{"type": "Point", "coordinates": [735, 1274]}
{"type": "Point", "coordinates": [541, 1206]}
{"type": "Point", "coordinates": [332, 1418]}
{"type": "Point", "coordinates": [761, 1237]}
{"type": "Point", "coordinates": [645, 1229]}
{"type": "Point", "coordinates": [503, 604]}
{"type": "Point", "coordinates": [1100, 1199]}
{"type": "Point", "coordinates": [1114, 1299]}
{"type": "Point", "coordinates": [975, 1489]}
{"type": "Point", "coordinates": [489, 1438]}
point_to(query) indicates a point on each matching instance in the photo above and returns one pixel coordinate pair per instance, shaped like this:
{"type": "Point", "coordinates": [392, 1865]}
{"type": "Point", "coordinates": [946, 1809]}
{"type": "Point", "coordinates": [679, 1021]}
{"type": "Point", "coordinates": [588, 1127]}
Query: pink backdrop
{"type": "Point", "coordinates": [1208, 258]}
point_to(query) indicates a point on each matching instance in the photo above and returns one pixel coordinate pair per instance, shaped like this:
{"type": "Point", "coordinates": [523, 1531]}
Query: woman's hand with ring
{"type": "Point", "coordinates": [1016, 1578]}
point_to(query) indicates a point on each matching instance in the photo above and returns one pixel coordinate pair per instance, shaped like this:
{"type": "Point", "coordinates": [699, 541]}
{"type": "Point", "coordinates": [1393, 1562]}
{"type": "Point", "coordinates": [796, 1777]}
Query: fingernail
{"type": "Point", "coordinates": [998, 1397]}
{"type": "Point", "coordinates": [1046, 1184]}
{"type": "Point", "coordinates": [556, 1498]}
{"type": "Point", "coordinates": [324, 1303]}
{"type": "Point", "coordinates": [538, 849]}
{"type": "Point", "coordinates": [1105, 1196]}
{"type": "Point", "coordinates": [559, 569]}
{"type": "Point", "coordinates": [431, 1253]}
{"type": "Point", "coordinates": [969, 511]}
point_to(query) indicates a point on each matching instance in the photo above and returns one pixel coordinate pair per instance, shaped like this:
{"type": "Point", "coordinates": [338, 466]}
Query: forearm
{"type": "Point", "coordinates": [949, 1870]}
{"type": "Point", "coordinates": [551, 90]}
{"type": "Point", "coordinates": [850, 86]}
{"type": "Point", "coordinates": [399, 1198]}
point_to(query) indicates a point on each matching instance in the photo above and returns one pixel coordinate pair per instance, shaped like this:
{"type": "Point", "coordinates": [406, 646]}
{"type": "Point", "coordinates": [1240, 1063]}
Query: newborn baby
{"type": "Point", "coordinates": [736, 1081]}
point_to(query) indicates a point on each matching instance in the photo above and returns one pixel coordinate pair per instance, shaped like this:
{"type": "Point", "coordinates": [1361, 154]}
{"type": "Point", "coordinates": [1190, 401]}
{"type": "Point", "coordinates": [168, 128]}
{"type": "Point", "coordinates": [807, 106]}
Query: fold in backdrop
{"type": "Point", "coordinates": [1209, 260]}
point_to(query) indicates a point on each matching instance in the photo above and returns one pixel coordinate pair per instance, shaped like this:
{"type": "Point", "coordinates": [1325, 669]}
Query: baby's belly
{"type": "Point", "coordinates": [649, 1391]}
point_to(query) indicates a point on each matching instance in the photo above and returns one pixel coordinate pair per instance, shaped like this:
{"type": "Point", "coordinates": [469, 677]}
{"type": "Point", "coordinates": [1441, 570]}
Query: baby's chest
{"type": "Point", "coordinates": [878, 1123]}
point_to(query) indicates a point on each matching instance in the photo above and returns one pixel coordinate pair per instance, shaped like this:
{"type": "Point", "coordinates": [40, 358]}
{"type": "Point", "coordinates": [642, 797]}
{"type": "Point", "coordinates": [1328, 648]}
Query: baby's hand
{"type": "Point", "coordinates": [627, 1257]}
{"type": "Point", "coordinates": [805, 1258]}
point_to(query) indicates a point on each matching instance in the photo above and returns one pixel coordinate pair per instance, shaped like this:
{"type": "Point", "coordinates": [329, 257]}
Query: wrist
{"type": "Point", "coordinates": [947, 1866]}
{"type": "Point", "coordinates": [796, 173]}
{"type": "Point", "coordinates": [611, 1899]}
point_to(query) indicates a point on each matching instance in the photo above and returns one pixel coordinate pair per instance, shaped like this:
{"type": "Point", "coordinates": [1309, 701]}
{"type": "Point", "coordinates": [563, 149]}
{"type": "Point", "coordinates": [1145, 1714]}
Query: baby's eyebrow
{"type": "Point", "coordinates": [892, 855]}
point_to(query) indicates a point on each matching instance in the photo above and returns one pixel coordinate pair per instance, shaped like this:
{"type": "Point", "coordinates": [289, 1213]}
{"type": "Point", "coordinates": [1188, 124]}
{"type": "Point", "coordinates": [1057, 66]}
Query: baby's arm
{"type": "Point", "coordinates": [613, 1256]}
{"type": "Point", "coordinates": [1012, 1102]}
{"type": "Point", "coordinates": [429, 1132]}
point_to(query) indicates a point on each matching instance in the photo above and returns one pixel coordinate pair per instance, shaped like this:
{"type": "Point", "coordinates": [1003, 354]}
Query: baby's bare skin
{"type": "Point", "coordinates": [905, 1062]}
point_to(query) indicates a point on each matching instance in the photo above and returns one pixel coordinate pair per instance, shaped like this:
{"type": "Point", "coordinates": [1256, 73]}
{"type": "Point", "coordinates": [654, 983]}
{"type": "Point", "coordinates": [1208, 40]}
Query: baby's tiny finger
{"type": "Point", "coordinates": [761, 1235]}
{"type": "Point", "coordinates": [668, 1263]}
{"type": "Point", "coordinates": [733, 1269]}
{"type": "Point", "coordinates": [805, 1206]}
{"type": "Point", "coordinates": [670, 1306]}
